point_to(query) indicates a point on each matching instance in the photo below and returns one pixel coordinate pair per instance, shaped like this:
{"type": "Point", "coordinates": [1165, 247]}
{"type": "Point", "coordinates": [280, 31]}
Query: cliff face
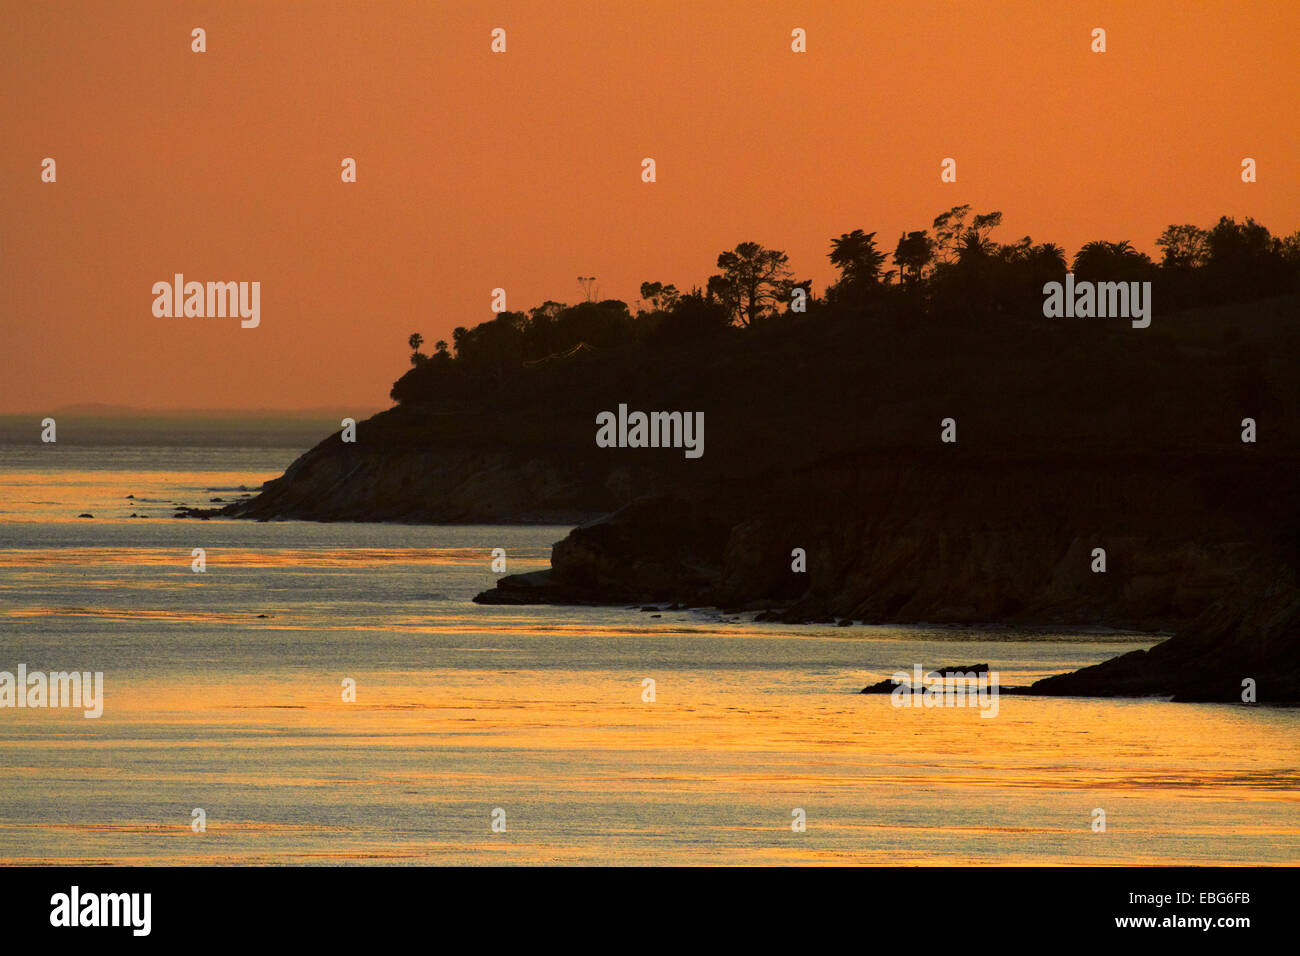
{"type": "Point", "coordinates": [976, 542]}
{"type": "Point", "coordinates": [982, 540]}
{"type": "Point", "coordinates": [411, 465]}
{"type": "Point", "coordinates": [447, 486]}
{"type": "Point", "coordinates": [972, 542]}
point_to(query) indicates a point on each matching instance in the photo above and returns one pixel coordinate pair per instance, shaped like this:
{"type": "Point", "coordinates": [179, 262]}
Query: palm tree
{"type": "Point", "coordinates": [974, 246]}
{"type": "Point", "coordinates": [1048, 254]}
{"type": "Point", "coordinates": [415, 341]}
{"type": "Point", "coordinates": [1110, 261]}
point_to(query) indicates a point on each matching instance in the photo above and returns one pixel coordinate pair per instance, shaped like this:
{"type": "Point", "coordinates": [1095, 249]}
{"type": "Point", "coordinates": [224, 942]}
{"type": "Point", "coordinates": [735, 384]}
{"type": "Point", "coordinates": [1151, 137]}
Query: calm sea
{"type": "Point", "coordinates": [223, 692]}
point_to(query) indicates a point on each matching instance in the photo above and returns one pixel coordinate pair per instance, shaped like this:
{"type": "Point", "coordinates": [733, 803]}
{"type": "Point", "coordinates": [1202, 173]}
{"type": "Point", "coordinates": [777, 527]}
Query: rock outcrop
{"type": "Point", "coordinates": [399, 471]}
{"type": "Point", "coordinates": [1207, 556]}
{"type": "Point", "coordinates": [1245, 650]}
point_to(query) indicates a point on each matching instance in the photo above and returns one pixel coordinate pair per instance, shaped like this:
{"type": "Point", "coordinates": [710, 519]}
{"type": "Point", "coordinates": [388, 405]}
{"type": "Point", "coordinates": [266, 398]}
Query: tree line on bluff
{"type": "Point", "coordinates": [954, 270]}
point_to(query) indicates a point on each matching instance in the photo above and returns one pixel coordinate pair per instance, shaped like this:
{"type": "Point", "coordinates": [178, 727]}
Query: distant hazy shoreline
{"type": "Point", "coordinates": [101, 426]}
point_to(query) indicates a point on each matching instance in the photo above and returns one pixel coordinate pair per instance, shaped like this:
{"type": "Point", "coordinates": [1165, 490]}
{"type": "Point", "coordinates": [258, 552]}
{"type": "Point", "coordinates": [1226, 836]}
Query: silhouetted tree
{"type": "Point", "coordinates": [915, 251]}
{"type": "Point", "coordinates": [952, 236]}
{"type": "Point", "coordinates": [752, 282]}
{"type": "Point", "coordinates": [1242, 258]}
{"type": "Point", "coordinates": [948, 228]}
{"type": "Point", "coordinates": [691, 317]}
{"type": "Point", "coordinates": [974, 246]}
{"type": "Point", "coordinates": [1185, 247]}
{"type": "Point", "coordinates": [1049, 253]}
{"type": "Point", "coordinates": [415, 341]}
{"type": "Point", "coordinates": [960, 273]}
{"type": "Point", "coordinates": [1111, 262]}
{"type": "Point", "coordinates": [1291, 249]}
{"type": "Point", "coordinates": [661, 297]}
{"type": "Point", "coordinates": [982, 225]}
{"type": "Point", "coordinates": [604, 324]}
{"type": "Point", "coordinates": [859, 261]}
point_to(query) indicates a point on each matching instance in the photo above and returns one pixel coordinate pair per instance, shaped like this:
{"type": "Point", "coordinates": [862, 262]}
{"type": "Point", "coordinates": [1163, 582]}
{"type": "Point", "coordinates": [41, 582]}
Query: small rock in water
{"type": "Point", "coordinates": [968, 669]}
{"type": "Point", "coordinates": [85, 515]}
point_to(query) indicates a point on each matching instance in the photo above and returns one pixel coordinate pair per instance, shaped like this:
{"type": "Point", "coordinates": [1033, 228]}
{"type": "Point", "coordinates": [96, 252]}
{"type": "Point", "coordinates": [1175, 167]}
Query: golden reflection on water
{"type": "Point", "coordinates": [874, 780]}
{"type": "Point", "coordinates": [59, 496]}
{"type": "Point", "coordinates": [251, 725]}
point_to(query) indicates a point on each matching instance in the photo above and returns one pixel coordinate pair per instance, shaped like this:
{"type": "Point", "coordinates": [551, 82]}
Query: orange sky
{"type": "Point", "coordinates": [522, 170]}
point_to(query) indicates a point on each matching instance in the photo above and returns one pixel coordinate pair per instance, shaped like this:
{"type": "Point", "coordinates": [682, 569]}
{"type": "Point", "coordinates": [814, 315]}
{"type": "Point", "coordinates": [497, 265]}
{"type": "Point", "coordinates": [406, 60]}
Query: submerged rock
{"type": "Point", "coordinates": [887, 685]}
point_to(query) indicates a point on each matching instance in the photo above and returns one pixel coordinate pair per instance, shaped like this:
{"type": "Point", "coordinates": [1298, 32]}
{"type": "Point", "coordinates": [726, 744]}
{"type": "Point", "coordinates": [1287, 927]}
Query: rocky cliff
{"type": "Point", "coordinates": [1207, 556]}
{"type": "Point", "coordinates": [420, 466]}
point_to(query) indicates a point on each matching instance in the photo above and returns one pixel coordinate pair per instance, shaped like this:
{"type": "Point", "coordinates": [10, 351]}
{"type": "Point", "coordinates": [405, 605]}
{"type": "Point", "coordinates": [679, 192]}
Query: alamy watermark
{"type": "Point", "coordinates": [1084, 300]}
{"type": "Point", "coordinates": [75, 908]}
{"type": "Point", "coordinates": [56, 689]}
{"type": "Point", "coordinates": [651, 430]}
{"type": "Point", "coordinates": [946, 688]}
{"type": "Point", "coordinates": [215, 300]}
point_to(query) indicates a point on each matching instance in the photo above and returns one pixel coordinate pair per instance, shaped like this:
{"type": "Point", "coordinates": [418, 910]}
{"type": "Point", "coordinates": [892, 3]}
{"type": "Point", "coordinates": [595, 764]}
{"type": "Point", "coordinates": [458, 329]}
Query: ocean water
{"type": "Point", "coordinates": [224, 691]}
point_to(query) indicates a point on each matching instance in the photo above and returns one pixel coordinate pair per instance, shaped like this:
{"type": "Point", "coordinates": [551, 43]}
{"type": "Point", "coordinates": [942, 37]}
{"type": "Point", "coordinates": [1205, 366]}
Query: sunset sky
{"type": "Point", "coordinates": [522, 170]}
